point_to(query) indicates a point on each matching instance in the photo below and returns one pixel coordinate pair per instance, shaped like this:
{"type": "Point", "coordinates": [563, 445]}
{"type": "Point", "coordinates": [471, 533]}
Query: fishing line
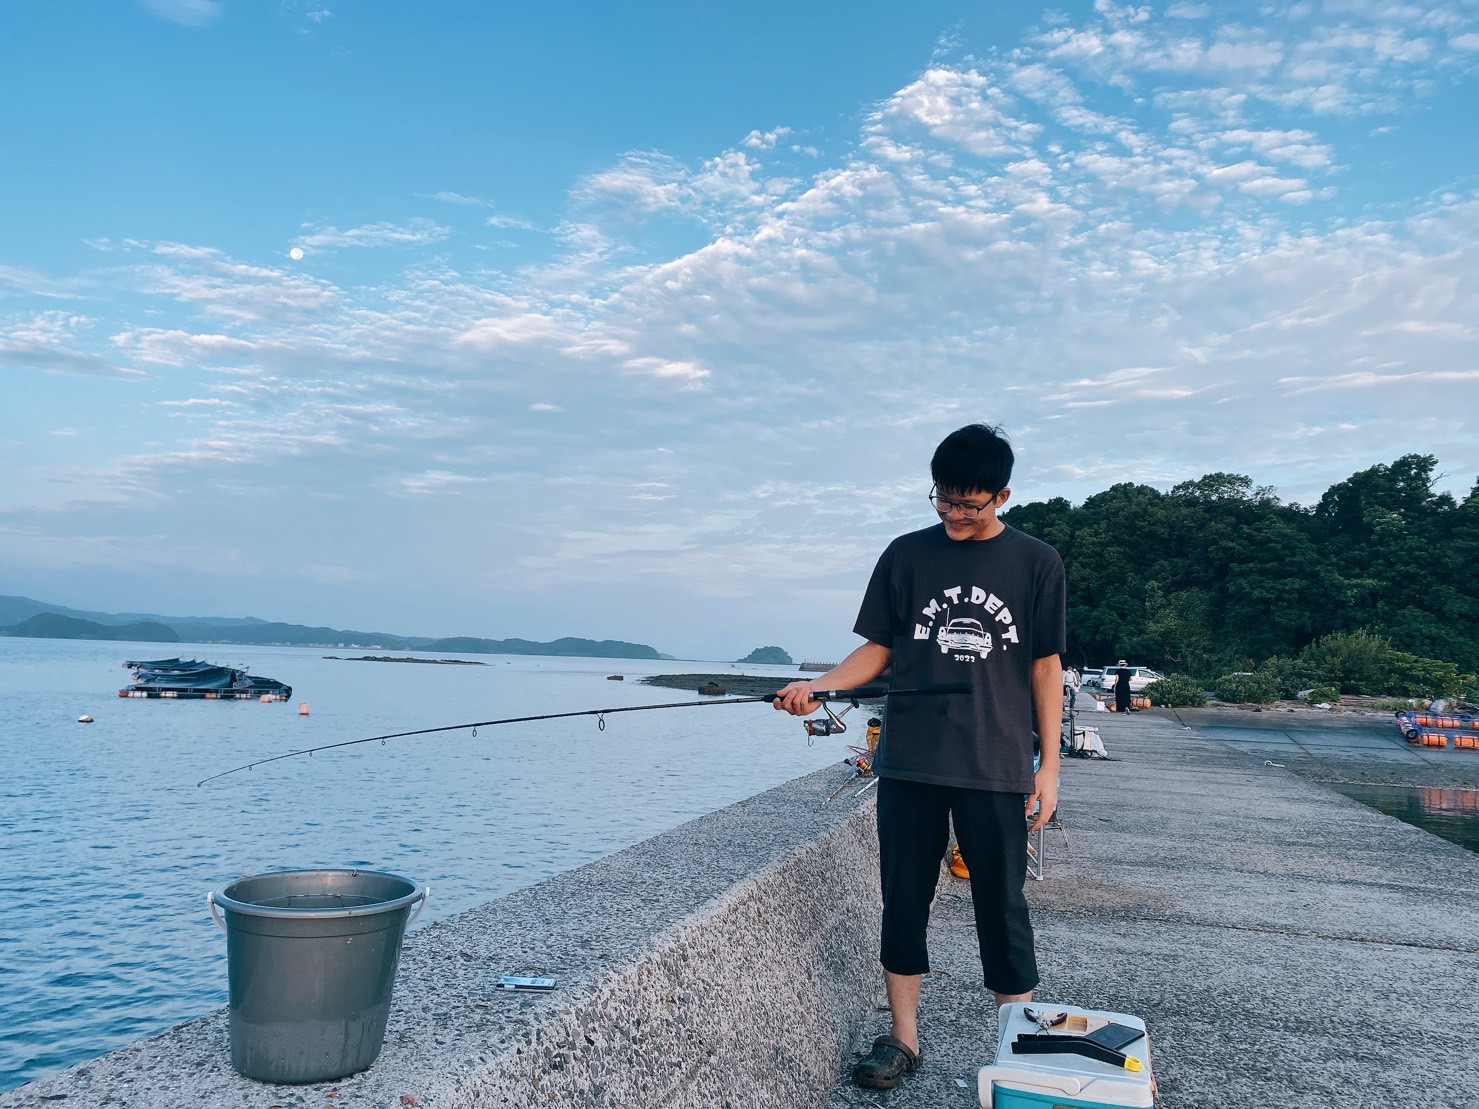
{"type": "Point", "coordinates": [863, 693]}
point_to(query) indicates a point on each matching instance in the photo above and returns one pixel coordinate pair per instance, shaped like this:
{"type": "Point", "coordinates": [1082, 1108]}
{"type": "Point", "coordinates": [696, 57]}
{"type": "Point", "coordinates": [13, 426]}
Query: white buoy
{"type": "Point", "coordinates": [302, 708]}
{"type": "Point", "coordinates": [84, 719]}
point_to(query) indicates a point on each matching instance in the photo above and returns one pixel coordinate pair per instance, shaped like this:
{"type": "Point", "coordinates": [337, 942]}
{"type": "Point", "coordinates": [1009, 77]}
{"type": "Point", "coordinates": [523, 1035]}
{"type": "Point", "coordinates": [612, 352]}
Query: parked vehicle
{"type": "Point", "coordinates": [1091, 676]}
{"type": "Point", "coordinates": [1140, 677]}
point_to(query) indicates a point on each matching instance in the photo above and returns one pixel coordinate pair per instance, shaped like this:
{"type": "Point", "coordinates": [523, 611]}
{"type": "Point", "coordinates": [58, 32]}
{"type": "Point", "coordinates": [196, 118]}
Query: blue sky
{"type": "Point", "coordinates": [641, 321]}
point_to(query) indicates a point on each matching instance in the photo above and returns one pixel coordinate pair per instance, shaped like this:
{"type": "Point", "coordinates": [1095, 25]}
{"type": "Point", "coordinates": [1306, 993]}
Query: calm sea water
{"type": "Point", "coordinates": [110, 847]}
{"type": "Point", "coordinates": [1450, 813]}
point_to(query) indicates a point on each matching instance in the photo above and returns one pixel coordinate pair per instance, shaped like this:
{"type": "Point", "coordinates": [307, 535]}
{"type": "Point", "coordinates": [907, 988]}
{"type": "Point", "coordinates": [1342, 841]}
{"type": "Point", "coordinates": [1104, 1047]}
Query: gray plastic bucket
{"type": "Point", "coordinates": [311, 958]}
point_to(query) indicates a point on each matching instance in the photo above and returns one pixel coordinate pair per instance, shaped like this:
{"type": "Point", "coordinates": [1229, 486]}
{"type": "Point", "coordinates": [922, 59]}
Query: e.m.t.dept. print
{"type": "Point", "coordinates": [969, 637]}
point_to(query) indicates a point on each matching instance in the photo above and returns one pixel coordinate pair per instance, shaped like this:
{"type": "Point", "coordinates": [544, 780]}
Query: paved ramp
{"type": "Point", "coordinates": [1287, 946]}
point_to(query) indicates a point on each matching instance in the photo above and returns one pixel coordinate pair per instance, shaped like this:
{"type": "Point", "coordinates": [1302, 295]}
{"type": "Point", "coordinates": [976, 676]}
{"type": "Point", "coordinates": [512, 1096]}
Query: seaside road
{"type": "Point", "coordinates": [1285, 945]}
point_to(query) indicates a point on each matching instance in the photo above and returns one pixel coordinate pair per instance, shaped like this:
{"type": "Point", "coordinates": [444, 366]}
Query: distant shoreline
{"type": "Point", "coordinates": [399, 658]}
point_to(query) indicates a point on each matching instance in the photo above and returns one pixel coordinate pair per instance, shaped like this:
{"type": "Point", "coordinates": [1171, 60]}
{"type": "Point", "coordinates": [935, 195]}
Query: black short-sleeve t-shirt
{"type": "Point", "coordinates": [974, 612]}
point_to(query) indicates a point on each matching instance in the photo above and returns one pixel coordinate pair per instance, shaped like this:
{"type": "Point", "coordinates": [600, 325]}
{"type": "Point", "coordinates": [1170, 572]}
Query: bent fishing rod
{"type": "Point", "coordinates": [823, 696]}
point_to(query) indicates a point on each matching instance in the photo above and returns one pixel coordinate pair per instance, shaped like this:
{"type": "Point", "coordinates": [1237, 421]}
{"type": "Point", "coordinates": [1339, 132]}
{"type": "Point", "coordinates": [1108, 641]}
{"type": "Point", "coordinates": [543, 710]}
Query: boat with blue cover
{"type": "Point", "coordinates": [191, 679]}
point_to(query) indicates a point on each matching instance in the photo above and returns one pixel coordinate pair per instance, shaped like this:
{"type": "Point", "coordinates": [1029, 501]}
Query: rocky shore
{"type": "Point", "coordinates": [735, 685]}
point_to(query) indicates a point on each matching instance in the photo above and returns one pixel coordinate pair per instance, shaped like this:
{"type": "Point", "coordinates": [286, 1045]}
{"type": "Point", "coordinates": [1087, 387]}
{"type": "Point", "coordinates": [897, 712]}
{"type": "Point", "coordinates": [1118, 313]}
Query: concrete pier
{"type": "Point", "coordinates": [1285, 945]}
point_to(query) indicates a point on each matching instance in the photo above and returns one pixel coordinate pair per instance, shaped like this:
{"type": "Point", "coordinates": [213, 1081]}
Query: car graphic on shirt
{"type": "Point", "coordinates": [964, 635]}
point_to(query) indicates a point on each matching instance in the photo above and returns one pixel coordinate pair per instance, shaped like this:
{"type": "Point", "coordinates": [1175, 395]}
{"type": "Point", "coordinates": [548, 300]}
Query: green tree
{"type": "Point", "coordinates": [1218, 573]}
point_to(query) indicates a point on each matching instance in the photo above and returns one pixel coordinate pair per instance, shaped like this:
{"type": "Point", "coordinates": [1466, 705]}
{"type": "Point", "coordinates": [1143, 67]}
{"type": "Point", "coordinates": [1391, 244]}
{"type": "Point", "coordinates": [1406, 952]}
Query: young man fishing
{"type": "Point", "coordinates": [968, 601]}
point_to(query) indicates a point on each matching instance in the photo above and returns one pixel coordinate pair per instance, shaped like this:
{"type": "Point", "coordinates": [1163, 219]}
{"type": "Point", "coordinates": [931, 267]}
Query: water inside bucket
{"type": "Point", "coordinates": [318, 901]}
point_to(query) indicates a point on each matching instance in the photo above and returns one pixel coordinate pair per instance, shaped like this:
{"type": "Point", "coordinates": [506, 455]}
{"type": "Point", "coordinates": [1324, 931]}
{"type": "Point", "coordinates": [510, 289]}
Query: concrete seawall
{"type": "Point", "coordinates": [730, 962]}
{"type": "Point", "coordinates": [1285, 945]}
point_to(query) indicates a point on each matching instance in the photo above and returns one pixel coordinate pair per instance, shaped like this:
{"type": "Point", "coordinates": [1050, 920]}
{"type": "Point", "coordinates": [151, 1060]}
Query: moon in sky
{"type": "Point", "coordinates": [296, 254]}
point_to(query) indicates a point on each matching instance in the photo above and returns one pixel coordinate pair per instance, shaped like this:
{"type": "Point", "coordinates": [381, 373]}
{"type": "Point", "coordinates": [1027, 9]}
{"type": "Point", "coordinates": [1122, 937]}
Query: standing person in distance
{"type": "Point", "coordinates": [968, 601]}
{"type": "Point", "coordinates": [1122, 687]}
{"type": "Point", "coordinates": [1071, 683]}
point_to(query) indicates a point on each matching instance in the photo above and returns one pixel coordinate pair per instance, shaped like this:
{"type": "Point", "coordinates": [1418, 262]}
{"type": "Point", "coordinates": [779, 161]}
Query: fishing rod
{"type": "Point", "coordinates": [853, 696]}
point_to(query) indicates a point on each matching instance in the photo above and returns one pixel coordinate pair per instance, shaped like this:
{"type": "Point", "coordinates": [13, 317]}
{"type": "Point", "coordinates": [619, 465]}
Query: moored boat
{"type": "Point", "coordinates": [174, 678]}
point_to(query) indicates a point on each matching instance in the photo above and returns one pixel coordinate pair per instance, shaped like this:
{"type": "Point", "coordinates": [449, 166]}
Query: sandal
{"type": "Point", "coordinates": [957, 864]}
{"type": "Point", "coordinates": [886, 1065]}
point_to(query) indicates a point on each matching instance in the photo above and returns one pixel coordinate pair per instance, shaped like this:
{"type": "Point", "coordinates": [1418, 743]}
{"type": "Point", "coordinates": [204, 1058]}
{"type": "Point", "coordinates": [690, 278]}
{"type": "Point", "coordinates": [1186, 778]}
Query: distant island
{"type": "Point", "coordinates": [25, 617]}
{"type": "Point", "coordinates": [772, 656]}
{"type": "Point", "coordinates": [589, 648]}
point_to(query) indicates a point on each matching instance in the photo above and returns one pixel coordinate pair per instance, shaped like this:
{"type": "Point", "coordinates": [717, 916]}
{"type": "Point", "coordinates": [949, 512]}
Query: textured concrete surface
{"type": "Point", "coordinates": [727, 963]}
{"type": "Point", "coordinates": [1286, 946]}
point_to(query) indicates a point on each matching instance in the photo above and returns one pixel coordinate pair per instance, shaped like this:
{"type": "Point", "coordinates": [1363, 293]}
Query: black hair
{"type": "Point", "coordinates": [975, 459]}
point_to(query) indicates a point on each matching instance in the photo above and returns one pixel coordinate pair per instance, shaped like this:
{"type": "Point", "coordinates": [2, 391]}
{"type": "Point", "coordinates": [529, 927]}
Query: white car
{"type": "Point", "coordinates": [1140, 677]}
{"type": "Point", "coordinates": [964, 635]}
{"type": "Point", "coordinates": [1091, 676]}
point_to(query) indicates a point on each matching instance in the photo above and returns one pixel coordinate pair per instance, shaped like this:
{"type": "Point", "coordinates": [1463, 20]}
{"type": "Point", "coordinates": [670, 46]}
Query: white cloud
{"type": "Point", "coordinates": [414, 232]}
{"type": "Point", "coordinates": [765, 140]}
{"type": "Point", "coordinates": [56, 342]}
{"type": "Point", "coordinates": [959, 107]}
{"type": "Point", "coordinates": [1128, 233]}
{"type": "Point", "coordinates": [432, 483]}
{"type": "Point", "coordinates": [689, 373]}
{"type": "Point", "coordinates": [27, 282]}
{"type": "Point", "coordinates": [1271, 186]}
{"type": "Point", "coordinates": [642, 183]}
{"type": "Point", "coordinates": [446, 196]}
{"type": "Point", "coordinates": [511, 222]}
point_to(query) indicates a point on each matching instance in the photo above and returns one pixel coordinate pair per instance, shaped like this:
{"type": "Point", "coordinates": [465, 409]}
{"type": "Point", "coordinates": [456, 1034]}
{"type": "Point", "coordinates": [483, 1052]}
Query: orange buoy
{"type": "Point", "coordinates": [1432, 739]}
{"type": "Point", "coordinates": [302, 708]}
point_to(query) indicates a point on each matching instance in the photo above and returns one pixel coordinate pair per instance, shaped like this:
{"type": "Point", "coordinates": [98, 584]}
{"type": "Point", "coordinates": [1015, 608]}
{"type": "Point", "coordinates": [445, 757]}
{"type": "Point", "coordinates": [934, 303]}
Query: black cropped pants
{"type": "Point", "coordinates": [913, 833]}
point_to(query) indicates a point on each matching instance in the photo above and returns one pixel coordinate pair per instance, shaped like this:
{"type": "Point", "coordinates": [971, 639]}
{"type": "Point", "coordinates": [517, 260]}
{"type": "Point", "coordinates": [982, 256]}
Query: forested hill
{"type": "Point", "coordinates": [1217, 575]}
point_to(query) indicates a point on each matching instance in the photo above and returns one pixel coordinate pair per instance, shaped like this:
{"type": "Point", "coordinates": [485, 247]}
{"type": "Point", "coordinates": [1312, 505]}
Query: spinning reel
{"type": "Point", "coordinates": [830, 723]}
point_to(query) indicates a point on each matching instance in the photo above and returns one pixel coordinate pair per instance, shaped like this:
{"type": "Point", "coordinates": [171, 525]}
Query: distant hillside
{"type": "Point", "coordinates": [51, 625]}
{"type": "Point", "coordinates": [24, 616]}
{"type": "Point", "coordinates": [15, 609]}
{"type": "Point", "coordinates": [295, 635]}
{"type": "Point", "coordinates": [587, 648]}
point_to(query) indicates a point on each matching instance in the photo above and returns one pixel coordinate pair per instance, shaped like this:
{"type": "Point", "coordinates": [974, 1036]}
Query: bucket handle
{"type": "Point", "coordinates": [210, 903]}
{"type": "Point", "coordinates": [425, 896]}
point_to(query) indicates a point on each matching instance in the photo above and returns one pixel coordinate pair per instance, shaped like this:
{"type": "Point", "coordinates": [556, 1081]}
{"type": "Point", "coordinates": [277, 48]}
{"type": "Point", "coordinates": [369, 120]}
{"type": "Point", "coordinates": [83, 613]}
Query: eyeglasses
{"type": "Point", "coordinates": [968, 511]}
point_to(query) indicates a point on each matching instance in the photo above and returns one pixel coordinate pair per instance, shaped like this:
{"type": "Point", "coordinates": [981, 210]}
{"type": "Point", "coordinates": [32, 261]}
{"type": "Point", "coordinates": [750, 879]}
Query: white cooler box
{"type": "Point", "coordinates": [1062, 1080]}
